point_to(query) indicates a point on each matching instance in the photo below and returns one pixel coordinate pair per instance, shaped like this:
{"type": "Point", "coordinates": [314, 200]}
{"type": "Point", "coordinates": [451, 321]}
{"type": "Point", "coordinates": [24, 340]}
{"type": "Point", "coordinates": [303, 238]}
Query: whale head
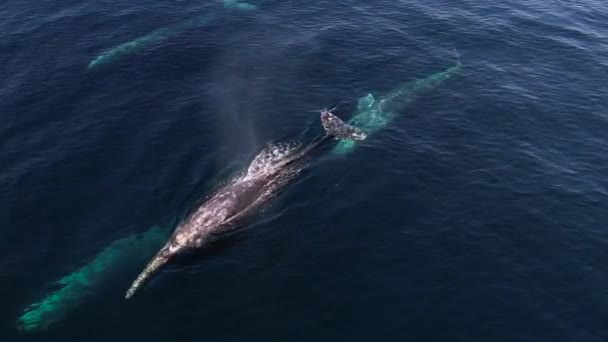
{"type": "Point", "coordinates": [161, 258]}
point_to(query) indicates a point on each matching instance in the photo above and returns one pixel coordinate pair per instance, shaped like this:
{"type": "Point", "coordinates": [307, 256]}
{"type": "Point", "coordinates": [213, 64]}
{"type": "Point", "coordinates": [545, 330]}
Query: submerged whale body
{"type": "Point", "coordinates": [161, 34]}
{"type": "Point", "coordinates": [373, 114]}
{"type": "Point", "coordinates": [71, 290]}
{"type": "Point", "coordinates": [269, 171]}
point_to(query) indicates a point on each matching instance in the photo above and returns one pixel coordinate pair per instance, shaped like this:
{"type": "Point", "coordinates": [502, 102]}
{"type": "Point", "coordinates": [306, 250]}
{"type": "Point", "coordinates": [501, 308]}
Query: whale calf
{"type": "Point", "coordinates": [373, 113]}
{"type": "Point", "coordinates": [269, 171]}
{"type": "Point", "coordinates": [161, 34]}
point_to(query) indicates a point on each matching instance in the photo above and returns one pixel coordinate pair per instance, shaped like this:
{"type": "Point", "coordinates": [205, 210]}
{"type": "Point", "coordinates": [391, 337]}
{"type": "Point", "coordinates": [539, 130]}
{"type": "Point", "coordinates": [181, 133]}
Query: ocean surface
{"type": "Point", "coordinates": [478, 214]}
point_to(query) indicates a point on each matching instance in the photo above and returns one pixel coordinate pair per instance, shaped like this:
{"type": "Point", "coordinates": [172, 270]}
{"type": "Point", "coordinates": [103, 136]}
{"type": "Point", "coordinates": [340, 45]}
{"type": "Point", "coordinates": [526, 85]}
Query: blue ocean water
{"type": "Point", "coordinates": [478, 214]}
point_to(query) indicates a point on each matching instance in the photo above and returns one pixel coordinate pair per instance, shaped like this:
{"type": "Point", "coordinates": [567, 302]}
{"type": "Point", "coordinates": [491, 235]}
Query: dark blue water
{"type": "Point", "coordinates": [479, 214]}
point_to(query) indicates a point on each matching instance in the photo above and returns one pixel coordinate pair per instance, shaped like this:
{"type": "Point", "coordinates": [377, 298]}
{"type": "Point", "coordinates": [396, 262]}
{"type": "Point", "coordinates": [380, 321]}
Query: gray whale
{"type": "Point", "coordinates": [269, 171]}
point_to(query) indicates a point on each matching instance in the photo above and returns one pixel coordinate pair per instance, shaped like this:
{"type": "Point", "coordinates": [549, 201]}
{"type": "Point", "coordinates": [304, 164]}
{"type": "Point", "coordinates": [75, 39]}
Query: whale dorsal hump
{"type": "Point", "coordinates": [270, 157]}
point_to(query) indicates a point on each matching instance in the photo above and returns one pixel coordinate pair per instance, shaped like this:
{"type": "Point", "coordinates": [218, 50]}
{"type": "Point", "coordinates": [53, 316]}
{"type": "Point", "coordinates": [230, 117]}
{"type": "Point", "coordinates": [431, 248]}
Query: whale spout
{"type": "Point", "coordinates": [161, 258]}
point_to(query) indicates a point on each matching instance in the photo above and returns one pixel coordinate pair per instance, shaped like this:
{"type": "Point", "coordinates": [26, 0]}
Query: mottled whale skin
{"type": "Point", "coordinates": [268, 172]}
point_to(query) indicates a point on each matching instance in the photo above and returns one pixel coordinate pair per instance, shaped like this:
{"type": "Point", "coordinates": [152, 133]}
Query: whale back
{"type": "Point", "coordinates": [270, 159]}
{"type": "Point", "coordinates": [240, 196]}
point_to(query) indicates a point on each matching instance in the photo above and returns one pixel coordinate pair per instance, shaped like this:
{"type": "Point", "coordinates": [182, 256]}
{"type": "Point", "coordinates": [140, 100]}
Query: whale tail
{"type": "Point", "coordinates": [334, 126]}
{"type": "Point", "coordinates": [161, 258]}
